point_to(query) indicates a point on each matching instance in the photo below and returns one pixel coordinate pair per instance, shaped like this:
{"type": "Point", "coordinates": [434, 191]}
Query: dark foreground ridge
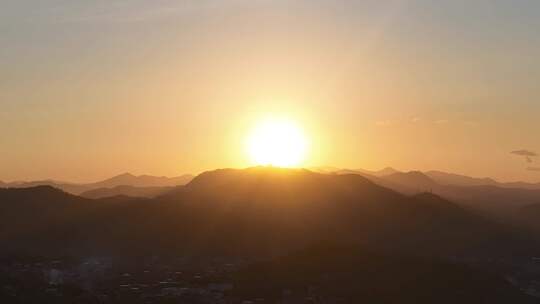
{"type": "Point", "coordinates": [265, 214]}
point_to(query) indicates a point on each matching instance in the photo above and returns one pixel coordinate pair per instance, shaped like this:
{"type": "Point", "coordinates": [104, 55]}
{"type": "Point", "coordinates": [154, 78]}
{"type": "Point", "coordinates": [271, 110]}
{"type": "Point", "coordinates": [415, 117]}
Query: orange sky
{"type": "Point", "coordinates": [90, 89]}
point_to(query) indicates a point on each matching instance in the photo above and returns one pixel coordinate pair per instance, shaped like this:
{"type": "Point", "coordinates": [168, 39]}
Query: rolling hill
{"type": "Point", "coordinates": [125, 179]}
{"type": "Point", "coordinates": [252, 211]}
{"type": "Point", "coordinates": [495, 201]}
{"type": "Point", "coordinates": [130, 191]}
{"type": "Point", "coordinates": [444, 178]}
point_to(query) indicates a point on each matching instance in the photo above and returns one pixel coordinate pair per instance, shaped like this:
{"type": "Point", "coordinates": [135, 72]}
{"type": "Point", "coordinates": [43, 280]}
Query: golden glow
{"type": "Point", "coordinates": [277, 142]}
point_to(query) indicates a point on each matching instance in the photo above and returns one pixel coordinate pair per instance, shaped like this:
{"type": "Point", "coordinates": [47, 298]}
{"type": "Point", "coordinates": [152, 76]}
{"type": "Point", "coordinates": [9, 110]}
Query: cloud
{"type": "Point", "coordinates": [537, 169]}
{"type": "Point", "coordinates": [441, 121]}
{"type": "Point", "coordinates": [528, 155]}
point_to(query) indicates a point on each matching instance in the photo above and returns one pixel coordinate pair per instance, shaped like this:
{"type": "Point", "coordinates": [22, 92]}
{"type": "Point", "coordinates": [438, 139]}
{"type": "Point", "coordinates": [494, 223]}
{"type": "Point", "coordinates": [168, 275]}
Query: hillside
{"type": "Point", "coordinates": [130, 191]}
{"type": "Point", "coordinates": [125, 179]}
{"type": "Point", "coordinates": [445, 178]}
{"type": "Point", "coordinates": [254, 211]}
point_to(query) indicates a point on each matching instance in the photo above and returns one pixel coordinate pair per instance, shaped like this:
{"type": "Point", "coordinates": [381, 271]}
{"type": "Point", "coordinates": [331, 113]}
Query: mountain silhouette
{"type": "Point", "coordinates": [410, 182]}
{"type": "Point", "coordinates": [251, 211]}
{"type": "Point", "coordinates": [65, 186]}
{"type": "Point", "coordinates": [440, 177]}
{"type": "Point", "coordinates": [498, 201]}
{"type": "Point", "coordinates": [383, 172]}
{"type": "Point", "coordinates": [129, 191]}
{"type": "Point", "coordinates": [444, 178]}
{"type": "Point", "coordinates": [125, 179]}
{"type": "Point", "coordinates": [391, 247]}
{"type": "Point", "coordinates": [128, 179]}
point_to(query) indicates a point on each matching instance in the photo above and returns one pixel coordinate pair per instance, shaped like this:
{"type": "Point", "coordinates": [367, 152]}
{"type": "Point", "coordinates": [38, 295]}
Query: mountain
{"type": "Point", "coordinates": [499, 201]}
{"type": "Point", "coordinates": [130, 191]}
{"type": "Point", "coordinates": [68, 187]}
{"type": "Point", "coordinates": [444, 178]}
{"type": "Point", "coordinates": [25, 211]}
{"type": "Point", "coordinates": [324, 169]}
{"type": "Point", "coordinates": [125, 179]}
{"type": "Point", "coordinates": [494, 199]}
{"type": "Point", "coordinates": [44, 220]}
{"type": "Point", "coordinates": [395, 244]}
{"type": "Point", "coordinates": [255, 211]}
{"type": "Point", "coordinates": [439, 177]}
{"type": "Point", "coordinates": [334, 170]}
{"type": "Point", "coordinates": [384, 172]}
{"type": "Point", "coordinates": [128, 179]}
{"type": "Point", "coordinates": [410, 182]}
{"type": "Point", "coordinates": [289, 207]}
{"type": "Point", "coordinates": [417, 181]}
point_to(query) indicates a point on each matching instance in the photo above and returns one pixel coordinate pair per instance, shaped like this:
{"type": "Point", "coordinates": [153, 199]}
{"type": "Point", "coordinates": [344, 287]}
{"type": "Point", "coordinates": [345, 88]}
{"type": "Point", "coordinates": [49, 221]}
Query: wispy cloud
{"type": "Point", "coordinates": [525, 153]}
{"type": "Point", "coordinates": [441, 121]}
{"type": "Point", "coordinates": [536, 169]}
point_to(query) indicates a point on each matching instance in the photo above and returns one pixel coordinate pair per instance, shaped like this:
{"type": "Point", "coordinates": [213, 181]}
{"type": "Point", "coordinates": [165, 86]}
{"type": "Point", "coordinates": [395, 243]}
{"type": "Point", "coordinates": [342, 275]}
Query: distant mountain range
{"type": "Point", "coordinates": [256, 211]}
{"type": "Point", "coordinates": [462, 180]}
{"type": "Point", "coordinates": [111, 185]}
{"type": "Point", "coordinates": [440, 177]}
{"type": "Point", "coordinates": [501, 201]}
{"type": "Point", "coordinates": [390, 241]}
{"type": "Point", "coordinates": [405, 196]}
{"type": "Point", "coordinates": [129, 191]}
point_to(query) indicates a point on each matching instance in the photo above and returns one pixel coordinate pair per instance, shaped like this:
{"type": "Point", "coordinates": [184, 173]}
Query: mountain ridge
{"type": "Point", "coordinates": [125, 179]}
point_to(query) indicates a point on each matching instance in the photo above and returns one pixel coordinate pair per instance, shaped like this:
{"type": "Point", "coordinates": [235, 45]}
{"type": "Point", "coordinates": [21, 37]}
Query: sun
{"type": "Point", "coordinates": [277, 142]}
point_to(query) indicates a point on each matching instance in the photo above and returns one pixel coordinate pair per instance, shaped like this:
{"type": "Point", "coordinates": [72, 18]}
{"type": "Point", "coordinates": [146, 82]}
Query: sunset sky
{"type": "Point", "coordinates": [90, 89]}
